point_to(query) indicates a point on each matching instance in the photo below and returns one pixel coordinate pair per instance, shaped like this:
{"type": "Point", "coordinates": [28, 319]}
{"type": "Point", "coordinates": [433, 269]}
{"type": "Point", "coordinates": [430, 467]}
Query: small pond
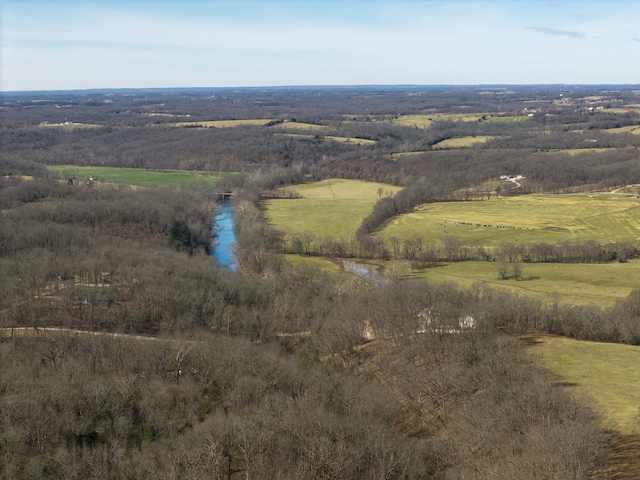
{"type": "Point", "coordinates": [367, 271]}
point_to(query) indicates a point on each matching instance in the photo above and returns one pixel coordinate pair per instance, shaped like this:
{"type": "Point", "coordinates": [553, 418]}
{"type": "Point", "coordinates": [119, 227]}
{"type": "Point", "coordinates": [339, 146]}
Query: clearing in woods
{"type": "Point", "coordinates": [139, 176]}
{"type": "Point", "coordinates": [462, 142]}
{"type": "Point", "coordinates": [524, 219]}
{"type": "Point", "coordinates": [329, 209]}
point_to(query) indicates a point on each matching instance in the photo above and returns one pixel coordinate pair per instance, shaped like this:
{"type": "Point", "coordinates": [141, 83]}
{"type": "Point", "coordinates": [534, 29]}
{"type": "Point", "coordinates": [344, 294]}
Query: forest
{"type": "Point", "coordinates": [125, 352]}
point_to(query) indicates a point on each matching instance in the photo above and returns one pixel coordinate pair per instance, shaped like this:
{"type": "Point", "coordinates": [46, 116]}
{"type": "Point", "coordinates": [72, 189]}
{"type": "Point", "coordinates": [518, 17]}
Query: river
{"type": "Point", "coordinates": [223, 247]}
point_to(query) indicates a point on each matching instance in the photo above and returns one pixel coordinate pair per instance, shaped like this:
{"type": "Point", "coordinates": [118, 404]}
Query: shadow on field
{"type": "Point", "coordinates": [623, 458]}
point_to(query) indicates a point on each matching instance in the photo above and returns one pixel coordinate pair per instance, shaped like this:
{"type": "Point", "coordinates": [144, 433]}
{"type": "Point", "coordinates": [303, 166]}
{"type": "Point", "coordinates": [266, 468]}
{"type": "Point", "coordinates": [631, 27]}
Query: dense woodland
{"type": "Point", "coordinates": [190, 371]}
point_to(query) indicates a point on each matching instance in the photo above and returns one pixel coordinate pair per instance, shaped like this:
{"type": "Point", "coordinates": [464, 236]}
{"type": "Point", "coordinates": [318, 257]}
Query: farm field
{"type": "Point", "coordinates": [323, 218]}
{"type": "Point", "coordinates": [634, 129]}
{"type": "Point", "coordinates": [340, 188]}
{"type": "Point", "coordinates": [581, 283]}
{"type": "Point", "coordinates": [138, 176]}
{"type": "Point", "coordinates": [578, 151]}
{"type": "Point", "coordinates": [357, 141]}
{"type": "Point", "coordinates": [506, 118]}
{"type": "Point", "coordinates": [606, 372]}
{"type": "Point", "coordinates": [303, 126]}
{"type": "Point", "coordinates": [417, 121]}
{"type": "Point", "coordinates": [525, 219]}
{"type": "Point", "coordinates": [70, 126]}
{"type": "Point", "coordinates": [224, 123]}
{"type": "Point", "coordinates": [462, 142]}
{"type": "Point", "coordinates": [425, 120]}
{"type": "Point", "coordinates": [331, 208]}
{"type": "Point", "coordinates": [335, 208]}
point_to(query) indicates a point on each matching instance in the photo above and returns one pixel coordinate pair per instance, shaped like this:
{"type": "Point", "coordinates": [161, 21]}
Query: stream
{"type": "Point", "coordinates": [223, 229]}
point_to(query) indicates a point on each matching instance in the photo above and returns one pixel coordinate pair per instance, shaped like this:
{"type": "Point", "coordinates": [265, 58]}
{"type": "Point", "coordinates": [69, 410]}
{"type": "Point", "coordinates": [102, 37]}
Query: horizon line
{"type": "Point", "coordinates": [320, 86]}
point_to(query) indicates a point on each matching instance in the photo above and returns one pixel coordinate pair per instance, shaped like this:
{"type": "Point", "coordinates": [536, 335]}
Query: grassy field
{"type": "Point", "coordinates": [425, 120]}
{"type": "Point", "coordinates": [303, 126]}
{"type": "Point", "coordinates": [507, 118]}
{"type": "Point", "coordinates": [322, 264]}
{"type": "Point", "coordinates": [634, 129]}
{"type": "Point", "coordinates": [602, 284]}
{"type": "Point", "coordinates": [335, 208]}
{"type": "Point", "coordinates": [139, 176]}
{"type": "Point", "coordinates": [337, 188]}
{"type": "Point", "coordinates": [579, 151]}
{"type": "Point", "coordinates": [331, 208]}
{"type": "Point", "coordinates": [357, 141]}
{"type": "Point", "coordinates": [71, 126]}
{"type": "Point", "coordinates": [606, 372]}
{"type": "Point", "coordinates": [525, 219]}
{"type": "Point", "coordinates": [416, 121]}
{"type": "Point", "coordinates": [324, 218]}
{"type": "Point", "coordinates": [224, 123]}
{"type": "Point", "coordinates": [462, 142]}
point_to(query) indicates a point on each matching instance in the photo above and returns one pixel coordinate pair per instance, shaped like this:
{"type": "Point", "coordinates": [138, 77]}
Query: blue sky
{"type": "Point", "coordinates": [80, 44]}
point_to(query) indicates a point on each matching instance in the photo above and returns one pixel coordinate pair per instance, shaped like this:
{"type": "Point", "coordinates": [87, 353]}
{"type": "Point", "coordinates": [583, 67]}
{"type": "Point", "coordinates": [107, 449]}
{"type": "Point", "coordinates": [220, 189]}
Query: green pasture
{"type": "Point", "coordinates": [579, 283]}
{"type": "Point", "coordinates": [224, 123]}
{"type": "Point", "coordinates": [606, 372]}
{"type": "Point", "coordinates": [323, 218]}
{"type": "Point", "coordinates": [414, 121]}
{"type": "Point", "coordinates": [138, 176]}
{"type": "Point", "coordinates": [462, 142]}
{"type": "Point", "coordinates": [524, 219]}
{"type": "Point", "coordinates": [322, 264]}
{"type": "Point", "coordinates": [336, 188]}
{"type": "Point", "coordinates": [330, 208]}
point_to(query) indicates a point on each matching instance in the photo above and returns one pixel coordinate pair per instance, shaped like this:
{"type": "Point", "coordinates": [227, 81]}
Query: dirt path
{"type": "Point", "coordinates": [40, 332]}
{"type": "Point", "coordinates": [617, 190]}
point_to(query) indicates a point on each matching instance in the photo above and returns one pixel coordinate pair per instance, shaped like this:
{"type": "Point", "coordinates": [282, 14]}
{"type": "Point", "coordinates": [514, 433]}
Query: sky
{"type": "Point", "coordinates": [86, 44]}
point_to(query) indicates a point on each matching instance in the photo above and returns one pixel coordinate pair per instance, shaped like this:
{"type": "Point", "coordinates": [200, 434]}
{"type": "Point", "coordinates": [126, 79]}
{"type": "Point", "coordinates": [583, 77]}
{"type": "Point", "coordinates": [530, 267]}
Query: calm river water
{"type": "Point", "coordinates": [225, 238]}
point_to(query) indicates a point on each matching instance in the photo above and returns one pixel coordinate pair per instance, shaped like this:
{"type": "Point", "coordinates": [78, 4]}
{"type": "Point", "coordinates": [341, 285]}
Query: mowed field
{"type": "Point", "coordinates": [462, 142]}
{"type": "Point", "coordinates": [357, 141]}
{"type": "Point", "coordinates": [577, 283]}
{"type": "Point", "coordinates": [425, 120]}
{"type": "Point", "coordinates": [634, 129]}
{"type": "Point", "coordinates": [606, 372]}
{"type": "Point", "coordinates": [71, 126]}
{"type": "Point", "coordinates": [335, 208]}
{"type": "Point", "coordinates": [416, 121]}
{"type": "Point", "coordinates": [224, 123]}
{"type": "Point", "coordinates": [139, 176]}
{"type": "Point", "coordinates": [303, 126]}
{"type": "Point", "coordinates": [524, 219]}
{"type": "Point", "coordinates": [331, 208]}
